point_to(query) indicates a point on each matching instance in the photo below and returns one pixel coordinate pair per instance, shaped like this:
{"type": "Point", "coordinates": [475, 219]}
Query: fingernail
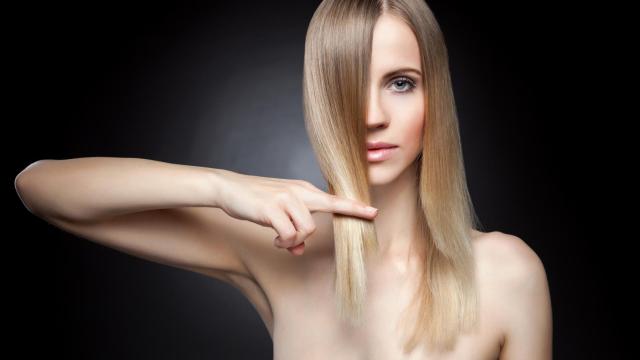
{"type": "Point", "coordinates": [371, 209]}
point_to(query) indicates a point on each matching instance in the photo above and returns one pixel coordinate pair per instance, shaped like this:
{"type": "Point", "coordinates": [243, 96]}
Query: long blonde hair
{"type": "Point", "coordinates": [335, 81]}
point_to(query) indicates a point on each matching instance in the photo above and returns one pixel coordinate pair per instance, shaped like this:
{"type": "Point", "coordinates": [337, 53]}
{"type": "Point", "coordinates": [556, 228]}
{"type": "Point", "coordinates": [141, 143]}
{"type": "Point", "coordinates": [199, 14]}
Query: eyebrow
{"type": "Point", "coordinates": [401, 71]}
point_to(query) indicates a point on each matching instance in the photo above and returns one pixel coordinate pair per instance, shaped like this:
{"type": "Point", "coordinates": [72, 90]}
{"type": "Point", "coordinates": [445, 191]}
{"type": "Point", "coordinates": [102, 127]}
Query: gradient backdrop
{"type": "Point", "coordinates": [219, 84]}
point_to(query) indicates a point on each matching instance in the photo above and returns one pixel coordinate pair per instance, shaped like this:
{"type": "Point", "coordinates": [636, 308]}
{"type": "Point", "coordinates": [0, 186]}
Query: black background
{"type": "Point", "coordinates": [213, 84]}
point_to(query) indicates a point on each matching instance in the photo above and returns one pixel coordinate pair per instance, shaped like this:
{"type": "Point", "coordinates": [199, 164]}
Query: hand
{"type": "Point", "coordinates": [284, 204]}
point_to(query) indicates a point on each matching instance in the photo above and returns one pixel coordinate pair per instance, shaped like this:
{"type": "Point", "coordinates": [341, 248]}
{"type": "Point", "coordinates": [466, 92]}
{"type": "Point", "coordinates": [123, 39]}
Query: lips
{"type": "Point", "coordinates": [379, 151]}
{"type": "Point", "coordinates": [379, 145]}
{"type": "Point", "coordinates": [381, 154]}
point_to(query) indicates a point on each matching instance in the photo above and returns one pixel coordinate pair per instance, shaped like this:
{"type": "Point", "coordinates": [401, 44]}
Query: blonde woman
{"type": "Point", "coordinates": [413, 278]}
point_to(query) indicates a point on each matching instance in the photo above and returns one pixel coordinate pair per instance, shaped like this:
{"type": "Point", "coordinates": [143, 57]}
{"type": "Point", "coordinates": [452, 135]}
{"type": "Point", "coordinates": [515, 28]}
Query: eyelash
{"type": "Point", "coordinates": [412, 84]}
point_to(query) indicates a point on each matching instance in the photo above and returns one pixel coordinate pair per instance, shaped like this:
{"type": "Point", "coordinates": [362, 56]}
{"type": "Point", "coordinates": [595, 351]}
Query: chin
{"type": "Point", "coordinates": [383, 173]}
{"type": "Point", "coordinates": [381, 176]}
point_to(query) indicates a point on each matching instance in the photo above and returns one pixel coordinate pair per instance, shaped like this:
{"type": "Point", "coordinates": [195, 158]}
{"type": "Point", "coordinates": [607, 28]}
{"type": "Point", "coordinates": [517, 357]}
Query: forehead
{"type": "Point", "coordinates": [393, 46]}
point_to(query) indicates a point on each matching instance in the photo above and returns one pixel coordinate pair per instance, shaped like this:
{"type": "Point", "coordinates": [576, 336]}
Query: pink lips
{"type": "Point", "coordinates": [380, 151]}
{"type": "Point", "coordinates": [378, 145]}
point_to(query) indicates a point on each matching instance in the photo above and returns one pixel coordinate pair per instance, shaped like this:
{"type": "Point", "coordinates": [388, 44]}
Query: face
{"type": "Point", "coordinates": [396, 100]}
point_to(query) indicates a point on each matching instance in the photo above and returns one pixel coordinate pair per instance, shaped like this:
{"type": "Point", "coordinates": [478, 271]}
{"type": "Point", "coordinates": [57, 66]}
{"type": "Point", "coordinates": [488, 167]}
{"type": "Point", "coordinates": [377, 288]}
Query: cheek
{"type": "Point", "coordinates": [412, 122]}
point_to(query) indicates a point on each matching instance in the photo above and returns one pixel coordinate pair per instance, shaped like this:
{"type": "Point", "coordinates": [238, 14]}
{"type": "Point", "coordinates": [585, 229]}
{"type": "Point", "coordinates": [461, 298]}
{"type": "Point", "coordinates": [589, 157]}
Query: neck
{"type": "Point", "coordinates": [397, 212]}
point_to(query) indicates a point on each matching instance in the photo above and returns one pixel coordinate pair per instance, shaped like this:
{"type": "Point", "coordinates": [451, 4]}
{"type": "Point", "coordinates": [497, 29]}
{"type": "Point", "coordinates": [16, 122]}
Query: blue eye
{"type": "Point", "coordinates": [405, 83]}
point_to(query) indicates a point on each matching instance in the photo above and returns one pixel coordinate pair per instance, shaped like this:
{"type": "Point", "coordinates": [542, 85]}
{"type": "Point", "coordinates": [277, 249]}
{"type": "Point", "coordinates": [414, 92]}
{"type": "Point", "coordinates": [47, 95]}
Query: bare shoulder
{"type": "Point", "coordinates": [519, 288]}
{"type": "Point", "coordinates": [511, 253]}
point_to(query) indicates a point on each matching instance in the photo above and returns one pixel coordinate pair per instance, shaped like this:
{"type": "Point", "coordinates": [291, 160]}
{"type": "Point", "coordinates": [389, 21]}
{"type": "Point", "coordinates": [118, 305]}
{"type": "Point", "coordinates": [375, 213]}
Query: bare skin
{"type": "Point", "coordinates": [221, 224]}
{"type": "Point", "coordinates": [291, 293]}
{"type": "Point", "coordinates": [301, 317]}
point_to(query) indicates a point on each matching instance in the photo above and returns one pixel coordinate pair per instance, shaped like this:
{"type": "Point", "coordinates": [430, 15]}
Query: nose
{"type": "Point", "coordinates": [375, 116]}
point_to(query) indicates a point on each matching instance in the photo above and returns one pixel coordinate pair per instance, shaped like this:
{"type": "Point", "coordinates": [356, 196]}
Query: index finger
{"type": "Point", "coordinates": [336, 204]}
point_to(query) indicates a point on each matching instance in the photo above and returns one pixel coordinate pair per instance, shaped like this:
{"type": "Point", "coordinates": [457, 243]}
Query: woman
{"type": "Point", "coordinates": [412, 279]}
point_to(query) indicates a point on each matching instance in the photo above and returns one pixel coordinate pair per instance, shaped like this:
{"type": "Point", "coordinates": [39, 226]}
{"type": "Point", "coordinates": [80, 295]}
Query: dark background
{"type": "Point", "coordinates": [217, 84]}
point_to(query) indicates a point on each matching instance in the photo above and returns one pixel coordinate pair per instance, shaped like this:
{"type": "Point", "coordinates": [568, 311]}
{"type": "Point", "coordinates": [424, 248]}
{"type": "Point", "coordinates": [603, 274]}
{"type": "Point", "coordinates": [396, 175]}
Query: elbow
{"type": "Point", "coordinates": [28, 168]}
{"type": "Point", "coordinates": [24, 189]}
{"type": "Point", "coordinates": [19, 185]}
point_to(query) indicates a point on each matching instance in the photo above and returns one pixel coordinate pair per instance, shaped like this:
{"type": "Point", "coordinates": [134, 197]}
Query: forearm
{"type": "Point", "coordinates": [92, 188]}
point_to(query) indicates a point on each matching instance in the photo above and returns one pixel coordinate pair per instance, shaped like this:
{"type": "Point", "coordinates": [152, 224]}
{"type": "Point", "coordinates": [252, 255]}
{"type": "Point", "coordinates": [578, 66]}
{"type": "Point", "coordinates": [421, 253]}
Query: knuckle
{"type": "Point", "coordinates": [277, 242]}
{"type": "Point", "coordinates": [282, 242]}
{"type": "Point", "coordinates": [300, 182]}
{"type": "Point", "coordinates": [307, 184]}
{"type": "Point", "coordinates": [288, 235]}
{"type": "Point", "coordinates": [304, 233]}
{"type": "Point", "coordinates": [310, 229]}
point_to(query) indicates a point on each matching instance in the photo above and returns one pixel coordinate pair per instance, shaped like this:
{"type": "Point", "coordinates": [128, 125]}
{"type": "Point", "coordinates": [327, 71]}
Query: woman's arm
{"type": "Point", "coordinates": [158, 211]}
{"type": "Point", "coordinates": [92, 188]}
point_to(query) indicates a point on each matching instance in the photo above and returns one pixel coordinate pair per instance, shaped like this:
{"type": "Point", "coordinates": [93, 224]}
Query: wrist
{"type": "Point", "coordinates": [216, 183]}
